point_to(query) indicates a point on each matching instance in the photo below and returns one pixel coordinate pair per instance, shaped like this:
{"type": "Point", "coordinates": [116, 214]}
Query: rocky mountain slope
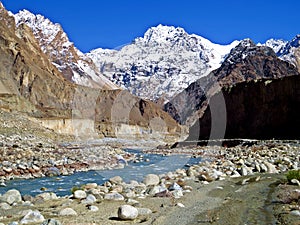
{"type": "Point", "coordinates": [30, 83]}
{"type": "Point", "coordinates": [245, 63]}
{"type": "Point", "coordinates": [73, 64]}
{"type": "Point", "coordinates": [162, 63]}
{"type": "Point", "coordinates": [261, 109]}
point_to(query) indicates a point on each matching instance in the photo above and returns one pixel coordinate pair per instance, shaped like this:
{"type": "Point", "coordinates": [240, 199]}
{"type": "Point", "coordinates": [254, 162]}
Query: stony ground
{"type": "Point", "coordinates": [238, 185]}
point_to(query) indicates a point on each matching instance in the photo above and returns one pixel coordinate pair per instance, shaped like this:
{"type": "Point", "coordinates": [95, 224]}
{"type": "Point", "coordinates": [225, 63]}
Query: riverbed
{"type": "Point", "coordinates": [62, 185]}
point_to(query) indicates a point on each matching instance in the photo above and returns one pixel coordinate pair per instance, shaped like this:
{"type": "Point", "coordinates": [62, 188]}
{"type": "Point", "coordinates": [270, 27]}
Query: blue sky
{"type": "Point", "coordinates": [111, 23]}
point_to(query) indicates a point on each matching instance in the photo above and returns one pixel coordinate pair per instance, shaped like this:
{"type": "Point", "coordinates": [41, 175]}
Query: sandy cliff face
{"type": "Point", "coordinates": [30, 83]}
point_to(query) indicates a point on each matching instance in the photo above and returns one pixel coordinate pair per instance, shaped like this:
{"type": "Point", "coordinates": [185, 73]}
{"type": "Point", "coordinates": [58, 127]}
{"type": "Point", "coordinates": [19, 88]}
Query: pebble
{"type": "Point", "coordinates": [93, 208]}
{"type": "Point", "coordinates": [127, 212]}
{"type": "Point", "coordinates": [295, 181]}
{"type": "Point", "coordinates": [180, 205]}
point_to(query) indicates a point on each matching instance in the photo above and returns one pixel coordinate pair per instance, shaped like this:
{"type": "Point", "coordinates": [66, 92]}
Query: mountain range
{"type": "Point", "coordinates": [32, 83]}
{"type": "Point", "coordinates": [181, 72]}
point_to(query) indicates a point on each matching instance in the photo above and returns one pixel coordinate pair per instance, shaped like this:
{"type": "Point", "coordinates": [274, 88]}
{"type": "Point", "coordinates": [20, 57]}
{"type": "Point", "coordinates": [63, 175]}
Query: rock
{"type": "Point", "coordinates": [11, 196]}
{"type": "Point", "coordinates": [52, 171]}
{"type": "Point", "coordinates": [93, 208]}
{"type": "Point", "coordinates": [127, 212]}
{"type": "Point", "coordinates": [177, 193]}
{"type": "Point", "coordinates": [114, 196]}
{"type": "Point", "coordinates": [271, 168]}
{"type": "Point", "coordinates": [156, 189]}
{"type": "Point", "coordinates": [32, 217]}
{"type": "Point", "coordinates": [295, 181]}
{"type": "Point", "coordinates": [244, 171]}
{"type": "Point", "coordinates": [116, 180]}
{"type": "Point", "coordinates": [5, 206]}
{"type": "Point", "coordinates": [165, 193]}
{"type": "Point", "coordinates": [235, 174]}
{"type": "Point", "coordinates": [175, 186]}
{"type": "Point", "coordinates": [47, 196]}
{"type": "Point", "coordinates": [295, 213]}
{"type": "Point", "coordinates": [132, 201]}
{"type": "Point", "coordinates": [180, 205]}
{"type": "Point", "coordinates": [263, 168]}
{"type": "Point", "coordinates": [14, 223]}
{"type": "Point", "coordinates": [117, 188]}
{"type": "Point", "coordinates": [151, 179]}
{"type": "Point", "coordinates": [51, 222]}
{"type": "Point", "coordinates": [90, 199]}
{"type": "Point", "coordinates": [68, 212]}
{"type": "Point", "coordinates": [90, 186]}
{"type": "Point", "coordinates": [144, 211]}
{"type": "Point", "coordinates": [79, 194]}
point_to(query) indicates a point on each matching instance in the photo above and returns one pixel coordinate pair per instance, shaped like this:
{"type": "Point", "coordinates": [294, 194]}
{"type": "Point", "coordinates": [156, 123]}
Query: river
{"type": "Point", "coordinates": [61, 185]}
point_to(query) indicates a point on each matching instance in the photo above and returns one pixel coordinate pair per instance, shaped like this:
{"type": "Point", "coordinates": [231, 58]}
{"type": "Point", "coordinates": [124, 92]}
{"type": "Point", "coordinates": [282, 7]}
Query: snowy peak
{"type": "Point", "coordinates": [54, 42]}
{"type": "Point", "coordinates": [163, 33]}
{"type": "Point", "coordinates": [275, 44]}
{"type": "Point", "coordinates": [287, 50]}
{"type": "Point", "coordinates": [244, 49]}
{"type": "Point", "coordinates": [161, 63]}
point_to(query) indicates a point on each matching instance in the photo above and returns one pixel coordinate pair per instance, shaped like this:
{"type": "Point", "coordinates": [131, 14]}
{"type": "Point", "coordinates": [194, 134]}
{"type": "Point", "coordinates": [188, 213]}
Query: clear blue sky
{"type": "Point", "coordinates": [111, 23]}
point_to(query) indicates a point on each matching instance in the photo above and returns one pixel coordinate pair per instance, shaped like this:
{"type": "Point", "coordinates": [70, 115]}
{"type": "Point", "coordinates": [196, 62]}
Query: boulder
{"type": "Point", "coordinates": [47, 196]}
{"type": "Point", "coordinates": [68, 212]}
{"type": "Point", "coordinates": [127, 212]}
{"type": "Point", "coordinates": [90, 199]}
{"type": "Point", "coordinates": [79, 194]}
{"type": "Point", "coordinates": [11, 196]}
{"type": "Point", "coordinates": [116, 180]}
{"type": "Point", "coordinates": [5, 206]}
{"type": "Point", "coordinates": [114, 196]}
{"type": "Point", "coordinates": [151, 179]}
{"type": "Point", "coordinates": [32, 217]}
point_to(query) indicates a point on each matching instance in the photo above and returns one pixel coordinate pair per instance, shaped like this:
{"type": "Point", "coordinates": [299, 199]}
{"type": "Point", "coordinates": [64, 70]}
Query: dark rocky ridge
{"type": "Point", "coordinates": [262, 109]}
{"type": "Point", "coordinates": [245, 63]}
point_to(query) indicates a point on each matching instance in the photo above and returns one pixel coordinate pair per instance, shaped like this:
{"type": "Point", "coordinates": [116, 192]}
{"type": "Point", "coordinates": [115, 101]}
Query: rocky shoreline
{"type": "Point", "coordinates": [225, 170]}
{"type": "Point", "coordinates": [30, 157]}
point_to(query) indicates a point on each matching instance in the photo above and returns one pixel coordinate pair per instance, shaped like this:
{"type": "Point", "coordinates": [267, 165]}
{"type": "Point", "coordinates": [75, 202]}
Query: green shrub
{"type": "Point", "coordinates": [293, 174]}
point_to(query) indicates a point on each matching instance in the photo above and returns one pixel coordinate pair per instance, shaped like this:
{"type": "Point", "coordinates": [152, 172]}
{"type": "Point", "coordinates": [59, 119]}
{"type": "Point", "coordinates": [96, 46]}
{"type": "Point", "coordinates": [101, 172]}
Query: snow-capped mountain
{"type": "Point", "coordinates": [162, 63]}
{"type": "Point", "coordinates": [74, 65]}
{"type": "Point", "coordinates": [275, 44]}
{"type": "Point", "coordinates": [287, 50]}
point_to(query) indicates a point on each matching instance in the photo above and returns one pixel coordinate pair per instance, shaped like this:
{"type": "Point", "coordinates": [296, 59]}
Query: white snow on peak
{"type": "Point", "coordinates": [161, 63]}
{"type": "Point", "coordinates": [38, 23]}
{"type": "Point", "coordinates": [63, 54]}
{"type": "Point", "coordinates": [275, 44]}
